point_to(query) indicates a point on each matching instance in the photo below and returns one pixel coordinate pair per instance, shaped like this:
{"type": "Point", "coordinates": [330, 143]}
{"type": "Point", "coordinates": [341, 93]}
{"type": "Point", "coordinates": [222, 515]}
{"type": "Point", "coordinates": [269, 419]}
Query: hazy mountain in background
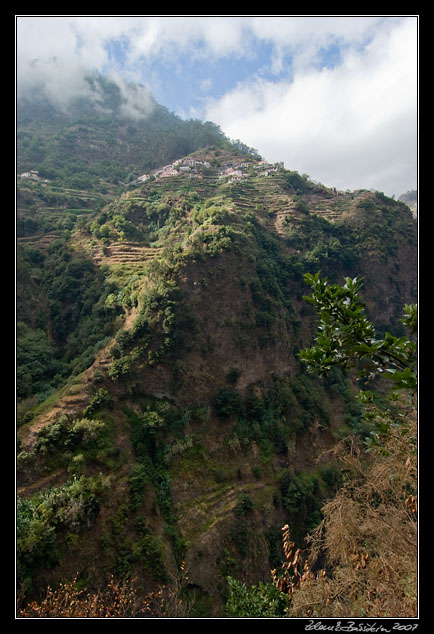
{"type": "Point", "coordinates": [410, 199]}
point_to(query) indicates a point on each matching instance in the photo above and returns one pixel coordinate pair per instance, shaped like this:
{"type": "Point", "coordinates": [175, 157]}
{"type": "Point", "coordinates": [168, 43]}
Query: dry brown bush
{"type": "Point", "coordinates": [368, 537]}
{"type": "Point", "coordinates": [116, 600]}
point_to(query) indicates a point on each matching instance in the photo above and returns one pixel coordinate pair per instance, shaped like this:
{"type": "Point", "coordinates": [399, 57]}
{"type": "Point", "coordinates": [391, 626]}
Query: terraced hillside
{"type": "Point", "coordinates": [40, 241]}
{"type": "Point", "coordinates": [127, 253]}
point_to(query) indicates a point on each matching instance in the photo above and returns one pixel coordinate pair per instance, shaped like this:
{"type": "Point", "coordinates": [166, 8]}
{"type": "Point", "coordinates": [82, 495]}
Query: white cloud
{"type": "Point", "coordinates": [350, 126]}
{"type": "Point", "coordinates": [202, 36]}
{"type": "Point", "coordinates": [55, 55]}
{"type": "Point", "coordinates": [344, 124]}
{"type": "Point", "coordinates": [69, 39]}
{"type": "Point", "coordinates": [224, 36]}
{"type": "Point", "coordinates": [84, 38]}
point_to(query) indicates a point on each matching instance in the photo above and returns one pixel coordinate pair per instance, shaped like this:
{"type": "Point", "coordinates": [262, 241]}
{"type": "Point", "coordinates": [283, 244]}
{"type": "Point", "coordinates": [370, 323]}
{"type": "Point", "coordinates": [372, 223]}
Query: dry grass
{"type": "Point", "coordinates": [116, 600]}
{"type": "Point", "coordinates": [368, 539]}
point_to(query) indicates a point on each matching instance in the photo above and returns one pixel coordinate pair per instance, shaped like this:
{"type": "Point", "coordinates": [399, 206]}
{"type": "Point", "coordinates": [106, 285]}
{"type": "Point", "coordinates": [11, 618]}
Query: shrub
{"type": "Point", "coordinates": [77, 465]}
{"type": "Point", "coordinates": [101, 397]}
{"type": "Point", "coordinates": [39, 520]}
{"type": "Point", "coordinates": [138, 479]}
{"type": "Point", "coordinates": [88, 431]}
{"type": "Point", "coordinates": [120, 367]}
{"type": "Point", "coordinates": [25, 459]}
{"type": "Point", "coordinates": [116, 599]}
{"type": "Point", "coordinates": [369, 536]}
{"type": "Point", "coordinates": [36, 541]}
{"type": "Point", "coordinates": [244, 505]}
{"type": "Point", "coordinates": [37, 361]}
{"type": "Point", "coordinates": [261, 601]}
{"type": "Point", "coordinates": [227, 402]}
{"type": "Point", "coordinates": [51, 436]}
{"type": "Point", "coordinates": [152, 421]}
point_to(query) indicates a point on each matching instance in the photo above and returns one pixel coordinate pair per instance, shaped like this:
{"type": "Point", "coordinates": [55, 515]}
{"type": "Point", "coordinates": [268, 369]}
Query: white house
{"type": "Point", "coordinates": [168, 172]}
{"type": "Point", "coordinates": [33, 175]}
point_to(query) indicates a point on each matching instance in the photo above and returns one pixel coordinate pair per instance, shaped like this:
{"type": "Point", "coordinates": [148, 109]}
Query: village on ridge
{"type": "Point", "coordinates": [231, 171]}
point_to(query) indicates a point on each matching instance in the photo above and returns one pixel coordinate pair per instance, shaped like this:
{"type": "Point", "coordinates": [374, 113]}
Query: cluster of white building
{"type": "Point", "coordinates": [33, 175]}
{"type": "Point", "coordinates": [232, 171]}
{"type": "Point", "coordinates": [185, 165]}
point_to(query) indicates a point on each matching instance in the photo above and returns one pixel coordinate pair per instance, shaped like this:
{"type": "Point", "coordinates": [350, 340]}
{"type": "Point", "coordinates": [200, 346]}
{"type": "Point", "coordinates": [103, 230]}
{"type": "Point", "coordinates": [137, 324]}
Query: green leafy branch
{"type": "Point", "coordinates": [347, 338]}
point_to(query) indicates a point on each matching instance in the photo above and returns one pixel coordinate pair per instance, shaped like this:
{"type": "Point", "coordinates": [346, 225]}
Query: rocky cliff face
{"type": "Point", "coordinates": [195, 434]}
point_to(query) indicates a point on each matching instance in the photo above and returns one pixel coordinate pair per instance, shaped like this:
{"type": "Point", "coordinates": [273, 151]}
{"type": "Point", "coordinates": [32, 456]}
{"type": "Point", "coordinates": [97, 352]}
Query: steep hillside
{"type": "Point", "coordinates": [165, 421]}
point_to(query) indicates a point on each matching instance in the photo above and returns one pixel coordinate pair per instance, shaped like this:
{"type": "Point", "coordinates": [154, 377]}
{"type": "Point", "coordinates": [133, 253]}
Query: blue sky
{"type": "Point", "coordinates": [185, 86]}
{"type": "Point", "coordinates": [332, 96]}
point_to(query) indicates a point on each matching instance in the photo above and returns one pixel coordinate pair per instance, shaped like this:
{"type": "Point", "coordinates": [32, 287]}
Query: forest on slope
{"type": "Point", "coordinates": [166, 422]}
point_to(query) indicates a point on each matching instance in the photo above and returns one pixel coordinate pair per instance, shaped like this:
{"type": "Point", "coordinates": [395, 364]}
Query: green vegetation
{"type": "Point", "coordinates": [40, 521]}
{"type": "Point", "coordinates": [347, 338]}
{"type": "Point", "coordinates": [72, 320]}
{"type": "Point", "coordinates": [227, 402]}
{"type": "Point", "coordinates": [90, 154]}
{"type": "Point", "coordinates": [261, 601]}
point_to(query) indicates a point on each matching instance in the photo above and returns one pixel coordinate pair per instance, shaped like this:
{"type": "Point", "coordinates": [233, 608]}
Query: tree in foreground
{"type": "Point", "coordinates": [347, 338]}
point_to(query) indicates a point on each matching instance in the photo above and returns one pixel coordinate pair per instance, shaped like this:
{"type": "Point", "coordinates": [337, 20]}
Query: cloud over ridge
{"type": "Point", "coordinates": [331, 96]}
